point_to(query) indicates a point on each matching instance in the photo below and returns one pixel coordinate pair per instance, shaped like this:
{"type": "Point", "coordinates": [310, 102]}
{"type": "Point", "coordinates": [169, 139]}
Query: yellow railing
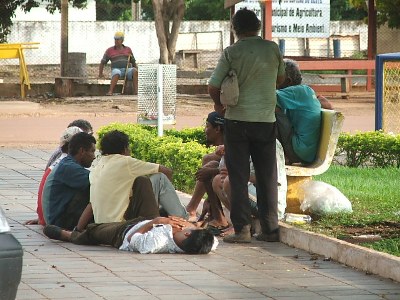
{"type": "Point", "coordinates": [14, 51]}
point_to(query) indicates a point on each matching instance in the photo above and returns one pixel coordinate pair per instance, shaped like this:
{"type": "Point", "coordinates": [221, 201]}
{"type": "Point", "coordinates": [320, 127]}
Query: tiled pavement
{"type": "Point", "coordinates": [57, 270]}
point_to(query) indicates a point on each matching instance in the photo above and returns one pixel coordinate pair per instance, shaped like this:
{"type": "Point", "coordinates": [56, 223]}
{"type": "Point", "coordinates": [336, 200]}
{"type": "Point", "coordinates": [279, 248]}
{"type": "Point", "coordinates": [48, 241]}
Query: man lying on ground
{"type": "Point", "coordinates": [159, 235]}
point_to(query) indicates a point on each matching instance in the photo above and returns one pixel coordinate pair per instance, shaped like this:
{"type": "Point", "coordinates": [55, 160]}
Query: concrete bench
{"type": "Point", "coordinates": [345, 80]}
{"type": "Point", "coordinates": [70, 86]}
{"type": "Point", "coordinates": [347, 65]}
{"type": "Point", "coordinates": [331, 126]}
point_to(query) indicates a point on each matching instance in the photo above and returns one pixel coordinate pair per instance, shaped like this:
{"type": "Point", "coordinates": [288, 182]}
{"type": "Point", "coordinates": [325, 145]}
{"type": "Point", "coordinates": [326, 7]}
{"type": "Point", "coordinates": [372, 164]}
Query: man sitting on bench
{"type": "Point", "coordinates": [298, 116]}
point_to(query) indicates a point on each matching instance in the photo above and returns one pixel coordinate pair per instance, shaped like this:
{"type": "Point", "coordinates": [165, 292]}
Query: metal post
{"type": "Point", "coordinates": [372, 37]}
{"type": "Point", "coordinates": [160, 95]}
{"type": "Point", "coordinates": [336, 48]}
{"type": "Point", "coordinates": [267, 19]}
{"type": "Point", "coordinates": [282, 46]}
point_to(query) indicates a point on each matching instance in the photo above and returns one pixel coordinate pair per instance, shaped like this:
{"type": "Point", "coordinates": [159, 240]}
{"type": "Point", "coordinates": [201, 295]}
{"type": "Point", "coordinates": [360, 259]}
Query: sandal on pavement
{"type": "Point", "coordinates": [217, 230]}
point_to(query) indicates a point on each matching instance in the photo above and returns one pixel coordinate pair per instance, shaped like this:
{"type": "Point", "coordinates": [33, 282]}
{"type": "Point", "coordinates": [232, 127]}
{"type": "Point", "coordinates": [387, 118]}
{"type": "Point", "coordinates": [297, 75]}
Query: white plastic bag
{"type": "Point", "coordinates": [321, 198]}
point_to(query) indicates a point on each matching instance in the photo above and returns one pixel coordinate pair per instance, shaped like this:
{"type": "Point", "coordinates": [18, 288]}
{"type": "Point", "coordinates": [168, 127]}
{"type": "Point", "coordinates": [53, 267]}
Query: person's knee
{"type": "Point", "coordinates": [142, 181]}
{"type": "Point", "coordinates": [115, 73]}
{"type": "Point", "coordinates": [209, 158]}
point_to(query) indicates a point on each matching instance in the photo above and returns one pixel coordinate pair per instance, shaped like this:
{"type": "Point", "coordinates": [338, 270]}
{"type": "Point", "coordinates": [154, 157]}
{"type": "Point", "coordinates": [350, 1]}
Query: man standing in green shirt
{"type": "Point", "coordinates": [250, 128]}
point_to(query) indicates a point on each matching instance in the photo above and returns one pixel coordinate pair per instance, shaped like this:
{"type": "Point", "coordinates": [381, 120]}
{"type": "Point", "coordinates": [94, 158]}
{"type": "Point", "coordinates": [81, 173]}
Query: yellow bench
{"type": "Point", "coordinates": [331, 126]}
{"type": "Point", "coordinates": [13, 51]}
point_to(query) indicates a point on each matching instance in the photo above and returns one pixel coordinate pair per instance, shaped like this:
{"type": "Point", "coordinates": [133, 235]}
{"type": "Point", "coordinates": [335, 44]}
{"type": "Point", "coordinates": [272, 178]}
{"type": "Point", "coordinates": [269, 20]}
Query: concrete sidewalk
{"type": "Point", "coordinates": [58, 270]}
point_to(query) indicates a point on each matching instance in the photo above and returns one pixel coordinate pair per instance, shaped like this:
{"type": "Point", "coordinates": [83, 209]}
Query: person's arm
{"type": "Point", "coordinates": [324, 102]}
{"type": "Point", "coordinates": [215, 96]}
{"type": "Point", "coordinates": [133, 60]}
{"type": "Point", "coordinates": [166, 171]}
{"type": "Point", "coordinates": [175, 222]}
{"type": "Point", "coordinates": [101, 68]}
{"type": "Point", "coordinates": [103, 61]}
{"type": "Point", "coordinates": [206, 173]}
{"type": "Point", "coordinates": [85, 218]}
{"type": "Point", "coordinates": [280, 79]}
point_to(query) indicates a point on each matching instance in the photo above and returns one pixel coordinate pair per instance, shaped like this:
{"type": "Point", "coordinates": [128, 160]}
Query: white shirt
{"type": "Point", "coordinates": [157, 240]}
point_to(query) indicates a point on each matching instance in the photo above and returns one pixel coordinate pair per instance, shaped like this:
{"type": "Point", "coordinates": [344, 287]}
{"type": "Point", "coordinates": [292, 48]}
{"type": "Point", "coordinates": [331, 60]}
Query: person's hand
{"type": "Point", "coordinates": [178, 222]}
{"type": "Point", "coordinates": [205, 174]}
{"type": "Point", "coordinates": [219, 108]}
{"type": "Point", "coordinates": [220, 150]}
{"type": "Point", "coordinates": [32, 222]}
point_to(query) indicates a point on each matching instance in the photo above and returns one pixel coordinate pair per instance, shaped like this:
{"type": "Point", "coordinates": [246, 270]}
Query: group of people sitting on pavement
{"type": "Point", "coordinates": [131, 204]}
{"type": "Point", "coordinates": [119, 189]}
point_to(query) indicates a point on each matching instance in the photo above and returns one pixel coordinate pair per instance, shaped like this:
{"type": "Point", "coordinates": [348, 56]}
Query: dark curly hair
{"type": "Point", "coordinates": [200, 241]}
{"type": "Point", "coordinates": [245, 21]}
{"type": "Point", "coordinates": [114, 142]}
{"type": "Point", "coordinates": [80, 140]}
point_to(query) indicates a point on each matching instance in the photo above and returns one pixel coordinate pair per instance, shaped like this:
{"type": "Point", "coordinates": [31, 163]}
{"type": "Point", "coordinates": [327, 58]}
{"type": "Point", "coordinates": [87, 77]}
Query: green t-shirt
{"type": "Point", "coordinates": [257, 63]}
{"type": "Point", "coordinates": [303, 110]}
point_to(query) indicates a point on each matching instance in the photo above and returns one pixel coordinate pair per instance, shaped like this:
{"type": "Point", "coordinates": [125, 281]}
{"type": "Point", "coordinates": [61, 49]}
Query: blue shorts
{"type": "Point", "coordinates": [121, 73]}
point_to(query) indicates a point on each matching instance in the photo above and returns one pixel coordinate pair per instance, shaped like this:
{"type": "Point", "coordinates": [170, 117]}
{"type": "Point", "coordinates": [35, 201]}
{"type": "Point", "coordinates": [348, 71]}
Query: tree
{"type": "Point", "coordinates": [206, 10]}
{"type": "Point", "coordinates": [343, 10]}
{"type": "Point", "coordinates": [166, 11]}
{"type": "Point", "coordinates": [110, 10]}
{"type": "Point", "coordinates": [387, 11]}
{"type": "Point", "coordinates": [8, 8]}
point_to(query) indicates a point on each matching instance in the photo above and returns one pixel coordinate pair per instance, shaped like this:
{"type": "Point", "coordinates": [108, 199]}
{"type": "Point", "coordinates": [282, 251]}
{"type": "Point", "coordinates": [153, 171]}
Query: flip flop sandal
{"type": "Point", "coordinates": [216, 230]}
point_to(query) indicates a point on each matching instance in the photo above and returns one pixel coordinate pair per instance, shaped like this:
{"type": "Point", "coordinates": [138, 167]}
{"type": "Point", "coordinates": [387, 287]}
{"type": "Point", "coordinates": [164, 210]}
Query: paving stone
{"type": "Point", "coordinates": [59, 270]}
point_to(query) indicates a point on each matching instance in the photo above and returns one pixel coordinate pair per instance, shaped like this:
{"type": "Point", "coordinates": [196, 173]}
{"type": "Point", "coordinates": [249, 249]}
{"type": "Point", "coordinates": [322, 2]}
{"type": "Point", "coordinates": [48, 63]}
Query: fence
{"type": "Point", "coordinates": [387, 99]}
{"type": "Point", "coordinates": [205, 38]}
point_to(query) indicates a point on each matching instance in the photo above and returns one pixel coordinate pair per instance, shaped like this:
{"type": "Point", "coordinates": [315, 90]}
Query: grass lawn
{"type": "Point", "coordinates": [375, 197]}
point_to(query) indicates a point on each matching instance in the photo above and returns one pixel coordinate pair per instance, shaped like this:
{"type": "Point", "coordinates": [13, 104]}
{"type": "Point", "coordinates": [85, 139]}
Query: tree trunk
{"type": "Point", "coordinates": [166, 11]}
{"type": "Point", "coordinates": [177, 18]}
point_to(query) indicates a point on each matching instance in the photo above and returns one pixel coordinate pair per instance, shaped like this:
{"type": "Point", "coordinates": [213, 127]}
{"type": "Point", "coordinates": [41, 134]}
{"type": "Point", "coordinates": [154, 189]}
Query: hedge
{"type": "Point", "coordinates": [182, 151]}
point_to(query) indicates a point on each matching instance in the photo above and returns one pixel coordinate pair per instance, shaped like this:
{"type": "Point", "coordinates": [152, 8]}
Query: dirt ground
{"type": "Point", "coordinates": [38, 123]}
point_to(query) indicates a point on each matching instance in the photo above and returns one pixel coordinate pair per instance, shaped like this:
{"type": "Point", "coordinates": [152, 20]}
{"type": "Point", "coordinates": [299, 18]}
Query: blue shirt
{"type": "Point", "coordinates": [303, 110]}
{"type": "Point", "coordinates": [63, 183]}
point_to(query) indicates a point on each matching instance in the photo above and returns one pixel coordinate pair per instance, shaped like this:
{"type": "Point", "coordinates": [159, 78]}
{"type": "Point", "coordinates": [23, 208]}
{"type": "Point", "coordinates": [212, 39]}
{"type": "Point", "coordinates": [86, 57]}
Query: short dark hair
{"type": "Point", "coordinates": [82, 124]}
{"type": "Point", "coordinates": [200, 241]}
{"type": "Point", "coordinates": [245, 21]}
{"type": "Point", "coordinates": [80, 140]}
{"type": "Point", "coordinates": [114, 142]}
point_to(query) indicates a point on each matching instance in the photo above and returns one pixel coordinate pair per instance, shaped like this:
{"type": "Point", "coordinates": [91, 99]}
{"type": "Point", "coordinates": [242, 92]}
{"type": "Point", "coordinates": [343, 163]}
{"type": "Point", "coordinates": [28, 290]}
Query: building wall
{"type": "Point", "coordinates": [93, 38]}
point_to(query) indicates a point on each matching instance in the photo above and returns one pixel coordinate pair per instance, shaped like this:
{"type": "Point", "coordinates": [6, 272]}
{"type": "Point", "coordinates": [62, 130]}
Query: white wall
{"type": "Point", "coordinates": [93, 38]}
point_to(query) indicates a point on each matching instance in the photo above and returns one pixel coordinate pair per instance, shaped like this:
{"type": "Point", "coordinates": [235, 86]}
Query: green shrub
{"type": "Point", "coordinates": [195, 134]}
{"type": "Point", "coordinates": [373, 148]}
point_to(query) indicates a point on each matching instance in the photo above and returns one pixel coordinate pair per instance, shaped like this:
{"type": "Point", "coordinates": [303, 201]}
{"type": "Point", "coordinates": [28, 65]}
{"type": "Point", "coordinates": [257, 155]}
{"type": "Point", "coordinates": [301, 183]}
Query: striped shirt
{"type": "Point", "coordinates": [118, 57]}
